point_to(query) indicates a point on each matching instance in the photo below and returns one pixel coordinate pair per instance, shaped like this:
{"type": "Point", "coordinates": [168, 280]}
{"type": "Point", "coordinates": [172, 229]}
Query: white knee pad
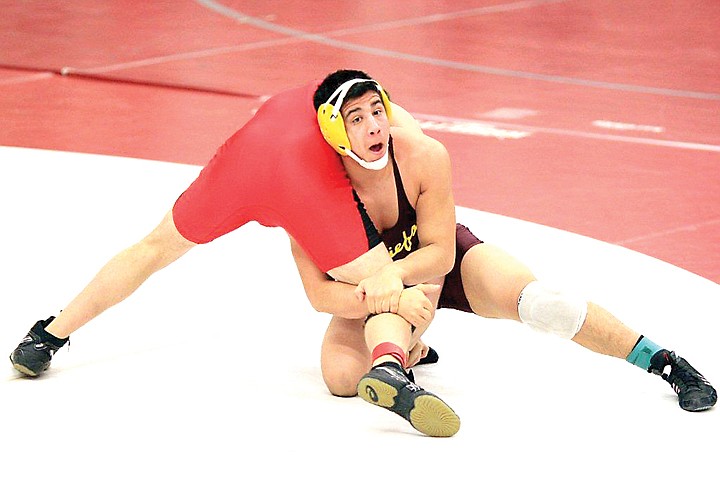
{"type": "Point", "coordinates": [549, 310]}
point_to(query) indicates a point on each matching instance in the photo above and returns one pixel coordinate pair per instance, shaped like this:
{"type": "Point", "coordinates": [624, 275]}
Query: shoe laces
{"type": "Point", "coordinates": [683, 376]}
{"type": "Point", "coordinates": [39, 344]}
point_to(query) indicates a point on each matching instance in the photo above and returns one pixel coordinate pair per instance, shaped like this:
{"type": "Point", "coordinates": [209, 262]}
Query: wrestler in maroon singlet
{"type": "Point", "coordinates": [403, 238]}
{"type": "Point", "coordinates": [278, 170]}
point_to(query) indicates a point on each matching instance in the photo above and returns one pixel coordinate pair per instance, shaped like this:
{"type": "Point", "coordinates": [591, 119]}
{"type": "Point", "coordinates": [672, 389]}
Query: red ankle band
{"type": "Point", "coordinates": [388, 348]}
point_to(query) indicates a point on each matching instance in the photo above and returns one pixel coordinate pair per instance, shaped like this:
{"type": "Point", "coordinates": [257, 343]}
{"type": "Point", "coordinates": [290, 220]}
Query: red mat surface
{"type": "Point", "coordinates": [597, 117]}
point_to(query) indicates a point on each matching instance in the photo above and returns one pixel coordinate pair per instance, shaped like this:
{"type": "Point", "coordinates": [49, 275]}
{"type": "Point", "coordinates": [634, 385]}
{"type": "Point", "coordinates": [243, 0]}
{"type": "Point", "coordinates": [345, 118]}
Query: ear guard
{"type": "Point", "coordinates": [331, 122]}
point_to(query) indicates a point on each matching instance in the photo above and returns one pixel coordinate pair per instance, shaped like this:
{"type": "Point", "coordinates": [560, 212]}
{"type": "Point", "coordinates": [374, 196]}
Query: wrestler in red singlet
{"type": "Point", "coordinates": [278, 170]}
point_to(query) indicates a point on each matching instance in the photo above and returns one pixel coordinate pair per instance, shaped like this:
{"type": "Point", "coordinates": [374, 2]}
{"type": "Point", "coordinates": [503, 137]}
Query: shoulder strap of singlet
{"type": "Point", "coordinates": [402, 196]}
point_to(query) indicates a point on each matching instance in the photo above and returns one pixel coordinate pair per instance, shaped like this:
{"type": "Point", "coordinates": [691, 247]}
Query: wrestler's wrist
{"type": "Point", "coordinates": [394, 270]}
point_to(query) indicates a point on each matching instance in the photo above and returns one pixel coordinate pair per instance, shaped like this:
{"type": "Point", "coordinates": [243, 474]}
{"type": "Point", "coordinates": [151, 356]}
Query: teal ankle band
{"type": "Point", "coordinates": [642, 353]}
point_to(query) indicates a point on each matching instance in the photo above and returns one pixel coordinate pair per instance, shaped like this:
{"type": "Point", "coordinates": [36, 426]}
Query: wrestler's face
{"type": "Point", "coordinates": [367, 125]}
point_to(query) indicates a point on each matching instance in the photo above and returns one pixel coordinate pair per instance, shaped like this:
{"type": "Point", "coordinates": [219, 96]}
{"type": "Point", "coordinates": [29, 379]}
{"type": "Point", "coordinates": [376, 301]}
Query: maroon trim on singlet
{"type": "Point", "coordinates": [373, 236]}
{"type": "Point", "coordinates": [401, 239]}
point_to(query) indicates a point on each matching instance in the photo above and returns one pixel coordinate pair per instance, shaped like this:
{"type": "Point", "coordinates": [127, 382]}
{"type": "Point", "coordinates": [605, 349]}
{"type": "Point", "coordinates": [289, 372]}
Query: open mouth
{"type": "Point", "coordinates": [376, 148]}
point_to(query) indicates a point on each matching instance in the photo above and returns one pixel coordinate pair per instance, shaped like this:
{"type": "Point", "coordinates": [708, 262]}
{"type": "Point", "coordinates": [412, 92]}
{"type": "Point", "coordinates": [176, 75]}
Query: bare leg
{"type": "Point", "coordinates": [121, 276]}
{"type": "Point", "coordinates": [493, 280]}
{"type": "Point", "coordinates": [344, 357]}
{"type": "Point", "coordinates": [387, 327]}
{"type": "Point", "coordinates": [346, 347]}
{"type": "Point", "coordinates": [603, 333]}
{"type": "Point", "coordinates": [388, 385]}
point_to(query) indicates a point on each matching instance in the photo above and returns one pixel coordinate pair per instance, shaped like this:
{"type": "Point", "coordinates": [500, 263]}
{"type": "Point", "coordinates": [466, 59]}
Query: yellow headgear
{"type": "Point", "coordinates": [331, 122]}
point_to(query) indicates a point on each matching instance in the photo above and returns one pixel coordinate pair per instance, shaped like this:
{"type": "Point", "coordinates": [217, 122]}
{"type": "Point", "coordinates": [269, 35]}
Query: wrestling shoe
{"type": "Point", "coordinates": [33, 355]}
{"type": "Point", "coordinates": [387, 386]}
{"type": "Point", "coordinates": [694, 392]}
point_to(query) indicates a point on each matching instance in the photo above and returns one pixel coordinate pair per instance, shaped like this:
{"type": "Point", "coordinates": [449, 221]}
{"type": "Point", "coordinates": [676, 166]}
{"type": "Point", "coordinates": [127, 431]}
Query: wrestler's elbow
{"type": "Point", "coordinates": [323, 307]}
{"type": "Point", "coordinates": [445, 260]}
{"type": "Point", "coordinates": [315, 298]}
{"type": "Point", "coordinates": [319, 301]}
{"type": "Point", "coordinates": [449, 263]}
{"type": "Point", "coordinates": [325, 303]}
{"type": "Point", "coordinates": [318, 304]}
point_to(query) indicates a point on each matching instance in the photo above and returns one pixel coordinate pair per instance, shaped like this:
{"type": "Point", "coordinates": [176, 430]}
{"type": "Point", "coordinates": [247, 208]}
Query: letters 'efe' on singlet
{"type": "Point", "coordinates": [279, 171]}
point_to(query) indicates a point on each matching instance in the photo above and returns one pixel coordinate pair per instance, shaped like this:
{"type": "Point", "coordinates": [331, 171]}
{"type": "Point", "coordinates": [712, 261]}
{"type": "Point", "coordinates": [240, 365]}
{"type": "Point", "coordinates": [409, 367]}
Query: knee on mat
{"type": "Point", "coordinates": [342, 384]}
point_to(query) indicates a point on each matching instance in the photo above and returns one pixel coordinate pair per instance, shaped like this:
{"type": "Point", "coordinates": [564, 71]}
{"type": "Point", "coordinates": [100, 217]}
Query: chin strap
{"type": "Point", "coordinates": [378, 164]}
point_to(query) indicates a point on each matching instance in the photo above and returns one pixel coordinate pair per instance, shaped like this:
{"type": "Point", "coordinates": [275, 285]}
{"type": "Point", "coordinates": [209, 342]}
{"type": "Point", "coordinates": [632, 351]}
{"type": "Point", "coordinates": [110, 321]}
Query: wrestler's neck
{"type": "Point", "coordinates": [364, 178]}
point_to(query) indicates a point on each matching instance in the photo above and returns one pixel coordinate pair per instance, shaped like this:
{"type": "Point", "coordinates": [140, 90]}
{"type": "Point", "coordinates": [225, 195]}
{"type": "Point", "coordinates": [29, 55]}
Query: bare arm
{"type": "Point", "coordinates": [362, 267]}
{"type": "Point", "coordinates": [338, 298]}
{"type": "Point", "coordinates": [402, 118]}
{"type": "Point", "coordinates": [428, 165]}
{"type": "Point", "coordinates": [435, 215]}
{"type": "Point", "coordinates": [326, 295]}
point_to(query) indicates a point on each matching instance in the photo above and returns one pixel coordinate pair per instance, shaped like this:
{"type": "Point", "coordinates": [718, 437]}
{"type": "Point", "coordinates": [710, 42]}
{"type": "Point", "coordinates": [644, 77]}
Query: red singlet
{"type": "Point", "coordinates": [279, 171]}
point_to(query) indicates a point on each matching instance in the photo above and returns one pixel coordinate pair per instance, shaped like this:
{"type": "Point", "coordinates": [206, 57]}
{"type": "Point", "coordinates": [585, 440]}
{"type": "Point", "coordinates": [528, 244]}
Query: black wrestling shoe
{"type": "Point", "coordinates": [694, 392]}
{"type": "Point", "coordinates": [387, 386]}
{"type": "Point", "coordinates": [33, 355]}
{"type": "Point", "coordinates": [431, 357]}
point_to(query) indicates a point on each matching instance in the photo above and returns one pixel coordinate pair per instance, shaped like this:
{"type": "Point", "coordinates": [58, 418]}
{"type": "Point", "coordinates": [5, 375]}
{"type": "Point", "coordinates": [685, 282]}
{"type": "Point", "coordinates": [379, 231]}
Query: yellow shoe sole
{"type": "Point", "coordinates": [429, 414]}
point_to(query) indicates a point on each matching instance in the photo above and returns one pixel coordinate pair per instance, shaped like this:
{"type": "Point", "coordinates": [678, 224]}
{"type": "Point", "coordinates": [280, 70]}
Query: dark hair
{"type": "Point", "coordinates": [334, 80]}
